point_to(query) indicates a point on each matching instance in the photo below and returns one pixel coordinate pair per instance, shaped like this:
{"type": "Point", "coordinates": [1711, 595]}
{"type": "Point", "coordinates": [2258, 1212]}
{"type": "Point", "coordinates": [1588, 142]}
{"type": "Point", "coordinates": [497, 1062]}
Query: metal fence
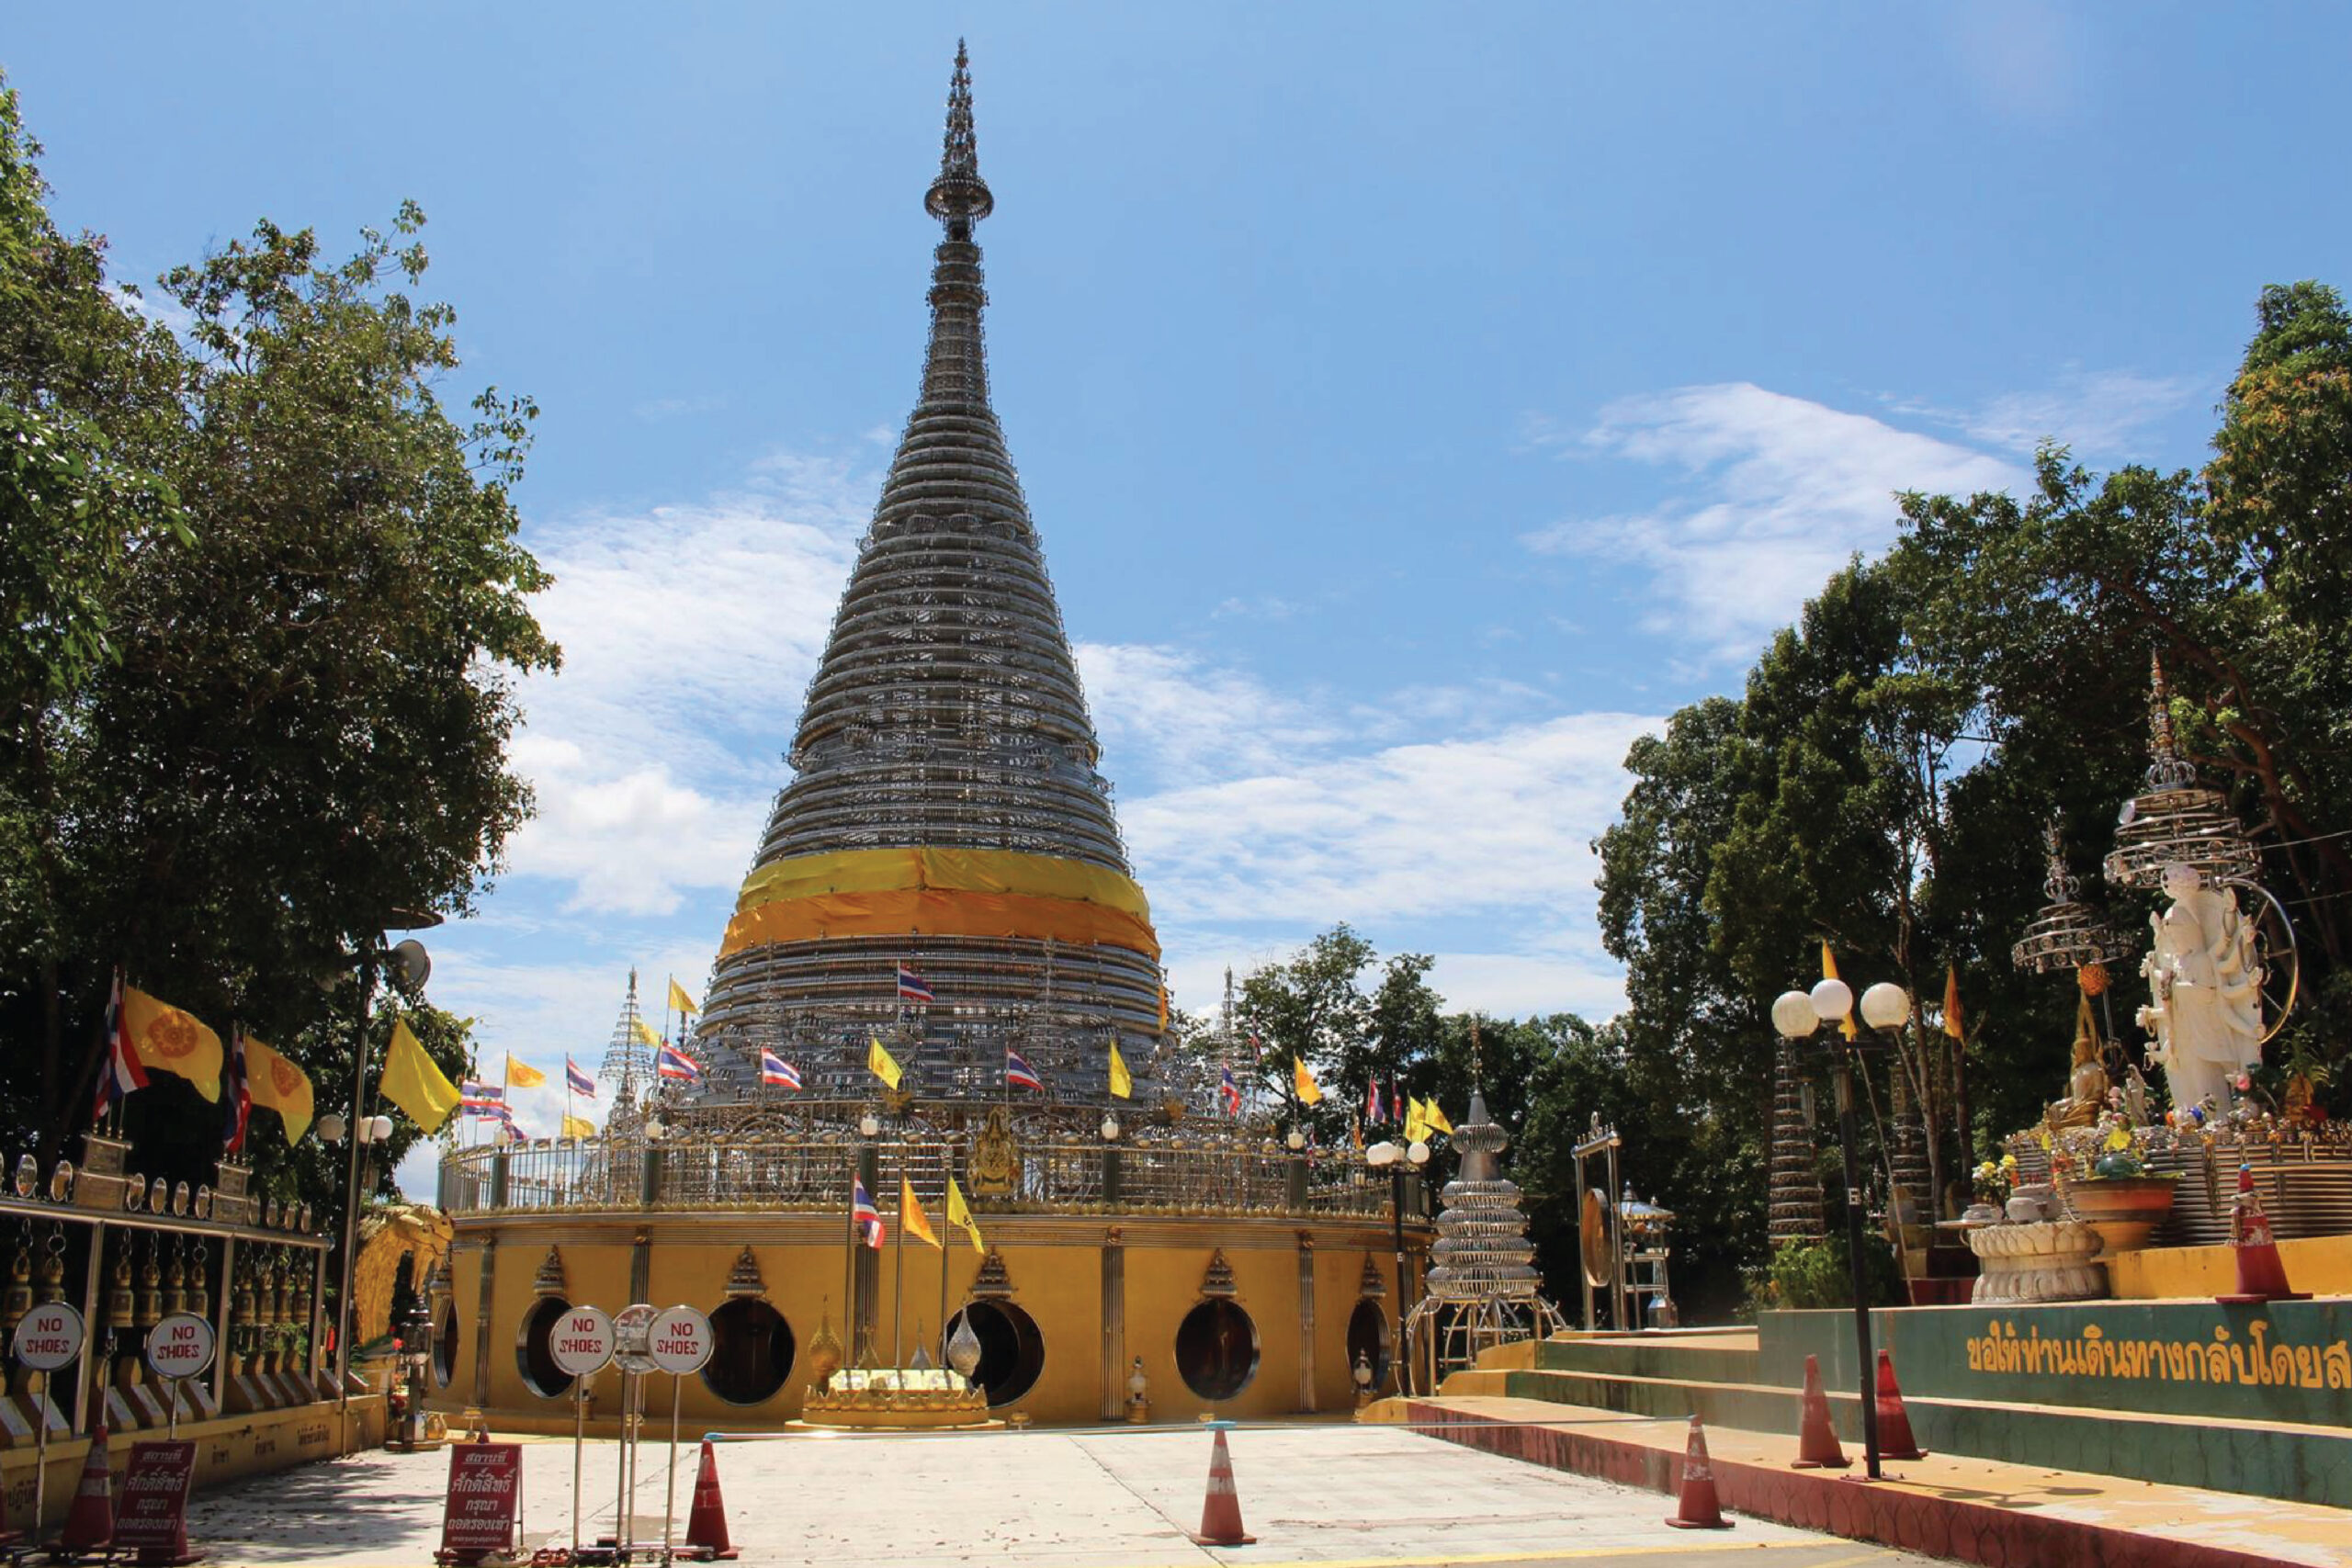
{"type": "Point", "coordinates": [813, 1174]}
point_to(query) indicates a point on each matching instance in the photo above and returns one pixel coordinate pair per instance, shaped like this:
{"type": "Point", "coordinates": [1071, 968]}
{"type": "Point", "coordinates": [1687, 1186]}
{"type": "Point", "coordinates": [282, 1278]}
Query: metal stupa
{"type": "Point", "coordinates": [1482, 1289]}
{"type": "Point", "coordinates": [2067, 933]}
{"type": "Point", "coordinates": [2176, 820]}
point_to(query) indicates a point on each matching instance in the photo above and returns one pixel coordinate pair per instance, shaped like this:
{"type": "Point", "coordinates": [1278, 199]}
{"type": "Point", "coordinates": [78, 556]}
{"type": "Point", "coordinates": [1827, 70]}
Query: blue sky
{"type": "Point", "coordinates": [1416, 403]}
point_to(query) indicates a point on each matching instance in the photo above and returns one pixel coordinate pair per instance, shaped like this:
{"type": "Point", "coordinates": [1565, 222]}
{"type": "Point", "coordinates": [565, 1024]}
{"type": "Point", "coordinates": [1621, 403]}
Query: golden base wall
{"type": "Point", "coordinates": [1102, 1291]}
{"type": "Point", "coordinates": [228, 1448]}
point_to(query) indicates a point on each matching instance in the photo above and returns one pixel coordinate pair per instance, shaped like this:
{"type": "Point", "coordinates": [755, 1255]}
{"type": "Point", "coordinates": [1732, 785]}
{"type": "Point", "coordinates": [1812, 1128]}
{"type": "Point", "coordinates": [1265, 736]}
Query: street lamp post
{"type": "Point", "coordinates": [410, 960]}
{"type": "Point", "coordinates": [1395, 1159]}
{"type": "Point", "coordinates": [1801, 1018]}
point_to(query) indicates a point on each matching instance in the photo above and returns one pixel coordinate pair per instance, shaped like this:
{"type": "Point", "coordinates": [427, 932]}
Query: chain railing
{"type": "Point", "coordinates": [812, 1173]}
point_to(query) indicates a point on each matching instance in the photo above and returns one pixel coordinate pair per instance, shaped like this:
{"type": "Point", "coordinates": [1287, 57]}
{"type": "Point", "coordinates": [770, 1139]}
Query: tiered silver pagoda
{"type": "Point", "coordinates": [946, 813]}
{"type": "Point", "coordinates": [1482, 1288]}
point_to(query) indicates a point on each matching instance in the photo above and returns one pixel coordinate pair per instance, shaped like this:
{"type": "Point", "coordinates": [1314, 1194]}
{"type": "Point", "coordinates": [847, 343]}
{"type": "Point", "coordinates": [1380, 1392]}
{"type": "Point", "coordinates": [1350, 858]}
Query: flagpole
{"type": "Point", "coordinates": [898, 1268]}
{"type": "Point", "coordinates": [948, 1174]}
{"type": "Point", "coordinates": [849, 1269]}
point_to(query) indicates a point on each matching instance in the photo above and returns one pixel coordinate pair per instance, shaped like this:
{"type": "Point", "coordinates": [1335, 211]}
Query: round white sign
{"type": "Point", "coordinates": [48, 1338]}
{"type": "Point", "coordinates": [179, 1346]}
{"type": "Point", "coordinates": [681, 1340]}
{"type": "Point", "coordinates": [632, 1326]}
{"type": "Point", "coordinates": [583, 1342]}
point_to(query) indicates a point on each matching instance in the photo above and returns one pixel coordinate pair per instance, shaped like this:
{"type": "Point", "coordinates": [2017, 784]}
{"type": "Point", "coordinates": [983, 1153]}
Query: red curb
{"type": "Point", "coordinates": [1935, 1526]}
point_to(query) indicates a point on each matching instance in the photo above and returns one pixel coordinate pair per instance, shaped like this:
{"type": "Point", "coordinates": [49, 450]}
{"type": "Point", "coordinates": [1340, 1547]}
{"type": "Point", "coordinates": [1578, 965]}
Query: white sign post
{"type": "Point", "coordinates": [179, 1347]}
{"type": "Point", "coordinates": [632, 1331]}
{"type": "Point", "coordinates": [582, 1347]}
{"type": "Point", "coordinates": [48, 1338]}
{"type": "Point", "coordinates": [681, 1343]}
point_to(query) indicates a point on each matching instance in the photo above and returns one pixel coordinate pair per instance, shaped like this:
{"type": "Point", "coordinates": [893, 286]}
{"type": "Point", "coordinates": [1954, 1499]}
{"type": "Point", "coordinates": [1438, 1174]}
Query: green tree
{"type": "Point", "coordinates": [279, 607]}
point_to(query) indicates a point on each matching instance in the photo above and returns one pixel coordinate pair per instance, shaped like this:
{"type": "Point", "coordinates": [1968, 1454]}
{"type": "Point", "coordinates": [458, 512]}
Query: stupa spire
{"type": "Point", "coordinates": [959, 197]}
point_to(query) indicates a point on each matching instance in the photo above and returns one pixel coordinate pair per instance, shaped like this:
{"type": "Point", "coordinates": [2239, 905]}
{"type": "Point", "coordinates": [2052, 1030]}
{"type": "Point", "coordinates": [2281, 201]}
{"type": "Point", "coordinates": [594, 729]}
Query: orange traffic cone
{"type": "Point", "coordinates": [706, 1524]}
{"type": "Point", "coordinates": [1816, 1438]}
{"type": "Point", "coordinates": [1221, 1510]}
{"type": "Point", "coordinates": [2262, 1275]}
{"type": "Point", "coordinates": [1894, 1438]}
{"type": "Point", "coordinates": [89, 1525]}
{"type": "Point", "coordinates": [1696, 1508]}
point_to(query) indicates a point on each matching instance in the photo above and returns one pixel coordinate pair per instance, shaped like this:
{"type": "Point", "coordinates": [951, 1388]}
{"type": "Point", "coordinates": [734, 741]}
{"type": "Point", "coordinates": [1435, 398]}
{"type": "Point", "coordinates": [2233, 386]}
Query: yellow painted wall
{"type": "Point", "coordinates": [2320, 1266]}
{"type": "Point", "coordinates": [228, 1447]}
{"type": "Point", "coordinates": [1055, 1265]}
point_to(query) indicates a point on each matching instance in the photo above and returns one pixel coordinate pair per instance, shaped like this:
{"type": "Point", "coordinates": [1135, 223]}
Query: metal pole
{"type": "Point", "coordinates": [41, 1448]}
{"type": "Point", "coordinates": [1844, 1075]}
{"type": "Point", "coordinates": [898, 1283]}
{"type": "Point", "coordinates": [670, 1497]}
{"type": "Point", "coordinates": [948, 1174]}
{"type": "Point", "coordinates": [621, 1476]}
{"type": "Point", "coordinates": [351, 1192]}
{"type": "Point", "coordinates": [171, 1420]}
{"type": "Point", "coordinates": [579, 1440]}
{"type": "Point", "coordinates": [1397, 1228]}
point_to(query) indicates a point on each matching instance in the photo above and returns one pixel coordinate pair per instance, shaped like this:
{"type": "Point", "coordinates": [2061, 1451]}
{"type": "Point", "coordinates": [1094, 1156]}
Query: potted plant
{"type": "Point", "coordinates": [2118, 1198]}
{"type": "Point", "coordinates": [1996, 1180]}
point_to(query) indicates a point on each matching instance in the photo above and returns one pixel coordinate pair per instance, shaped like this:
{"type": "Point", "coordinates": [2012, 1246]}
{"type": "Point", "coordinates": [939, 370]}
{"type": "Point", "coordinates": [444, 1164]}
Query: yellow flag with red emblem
{"type": "Point", "coordinates": [170, 1040]}
{"type": "Point", "coordinates": [279, 1084]}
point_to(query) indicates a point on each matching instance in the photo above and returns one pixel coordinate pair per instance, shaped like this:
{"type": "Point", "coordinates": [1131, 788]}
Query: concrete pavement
{"type": "Point", "coordinates": [1330, 1494]}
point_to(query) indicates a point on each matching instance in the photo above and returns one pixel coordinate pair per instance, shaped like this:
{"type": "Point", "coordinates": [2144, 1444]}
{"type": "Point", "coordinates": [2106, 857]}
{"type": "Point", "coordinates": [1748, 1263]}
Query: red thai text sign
{"type": "Point", "coordinates": [485, 1485]}
{"type": "Point", "coordinates": [152, 1514]}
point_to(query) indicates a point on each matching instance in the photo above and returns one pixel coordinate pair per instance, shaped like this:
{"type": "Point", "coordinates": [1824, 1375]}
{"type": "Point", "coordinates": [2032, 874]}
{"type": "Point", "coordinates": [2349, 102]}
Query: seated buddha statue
{"type": "Point", "coordinates": [2086, 1084]}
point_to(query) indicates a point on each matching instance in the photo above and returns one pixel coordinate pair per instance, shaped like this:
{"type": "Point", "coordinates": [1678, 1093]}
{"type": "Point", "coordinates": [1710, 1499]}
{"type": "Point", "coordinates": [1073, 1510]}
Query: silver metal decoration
{"type": "Point", "coordinates": [2175, 819]}
{"type": "Point", "coordinates": [2068, 933]}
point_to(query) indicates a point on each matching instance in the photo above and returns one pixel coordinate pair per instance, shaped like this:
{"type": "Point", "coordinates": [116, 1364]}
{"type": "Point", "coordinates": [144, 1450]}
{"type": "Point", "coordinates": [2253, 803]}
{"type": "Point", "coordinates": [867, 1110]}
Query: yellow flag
{"type": "Point", "coordinates": [645, 1034]}
{"type": "Point", "coordinates": [1416, 1121]}
{"type": "Point", "coordinates": [172, 1040]}
{"type": "Point", "coordinates": [1952, 1024]}
{"type": "Point", "coordinates": [275, 1082]}
{"type": "Point", "coordinates": [1433, 1120]}
{"type": "Point", "coordinates": [522, 1074]}
{"type": "Point", "coordinates": [910, 1215]}
{"type": "Point", "coordinates": [880, 1062]}
{"type": "Point", "coordinates": [959, 1213]}
{"type": "Point", "coordinates": [679, 1000]}
{"type": "Point", "coordinates": [1123, 1082]}
{"type": "Point", "coordinates": [578, 1127]}
{"type": "Point", "coordinates": [1829, 972]}
{"type": "Point", "coordinates": [1303, 1084]}
{"type": "Point", "coordinates": [412, 1082]}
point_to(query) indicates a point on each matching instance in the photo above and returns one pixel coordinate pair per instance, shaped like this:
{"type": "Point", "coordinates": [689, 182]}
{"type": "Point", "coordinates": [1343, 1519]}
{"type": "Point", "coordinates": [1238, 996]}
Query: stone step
{"type": "Point", "coordinates": [1976, 1510]}
{"type": "Point", "coordinates": [2270, 1459]}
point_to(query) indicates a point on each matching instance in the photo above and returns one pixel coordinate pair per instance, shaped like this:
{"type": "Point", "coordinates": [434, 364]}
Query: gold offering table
{"type": "Point", "coordinates": [897, 1399]}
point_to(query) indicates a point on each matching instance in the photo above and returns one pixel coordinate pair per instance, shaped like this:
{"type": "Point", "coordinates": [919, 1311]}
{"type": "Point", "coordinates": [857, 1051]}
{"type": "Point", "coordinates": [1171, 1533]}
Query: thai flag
{"type": "Point", "coordinates": [1018, 1073]}
{"type": "Point", "coordinates": [914, 987]}
{"type": "Point", "coordinates": [482, 1099]}
{"type": "Point", "coordinates": [1371, 1101]}
{"type": "Point", "coordinates": [1257, 1043]}
{"type": "Point", "coordinates": [1229, 1092]}
{"type": "Point", "coordinates": [575, 1080]}
{"type": "Point", "coordinates": [777, 1073]}
{"type": "Point", "coordinates": [122, 1071]}
{"type": "Point", "coordinates": [512, 1133]}
{"type": "Point", "coordinates": [864, 1214]}
{"type": "Point", "coordinates": [236, 1095]}
{"type": "Point", "coordinates": [671, 1062]}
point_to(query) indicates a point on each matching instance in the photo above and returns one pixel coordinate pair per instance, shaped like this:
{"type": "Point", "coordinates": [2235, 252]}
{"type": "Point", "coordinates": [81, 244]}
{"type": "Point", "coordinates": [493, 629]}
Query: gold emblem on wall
{"type": "Point", "coordinates": [996, 1157]}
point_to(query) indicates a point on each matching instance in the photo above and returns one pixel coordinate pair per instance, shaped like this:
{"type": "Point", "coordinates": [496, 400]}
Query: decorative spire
{"type": "Point", "coordinates": [959, 197]}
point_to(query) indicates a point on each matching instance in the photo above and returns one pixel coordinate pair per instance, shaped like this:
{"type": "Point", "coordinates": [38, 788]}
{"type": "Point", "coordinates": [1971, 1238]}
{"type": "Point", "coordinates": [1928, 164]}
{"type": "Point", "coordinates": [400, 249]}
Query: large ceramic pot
{"type": "Point", "coordinates": [2122, 1209]}
{"type": "Point", "coordinates": [2047, 1261]}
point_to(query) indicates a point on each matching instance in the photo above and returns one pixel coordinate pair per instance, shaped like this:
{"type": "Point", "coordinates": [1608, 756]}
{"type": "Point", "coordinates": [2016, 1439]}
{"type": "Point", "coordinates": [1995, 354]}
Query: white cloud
{"type": "Point", "coordinates": [2099, 414]}
{"type": "Point", "coordinates": [1781, 492]}
{"type": "Point", "coordinates": [689, 634]}
{"type": "Point", "coordinates": [1448, 829]}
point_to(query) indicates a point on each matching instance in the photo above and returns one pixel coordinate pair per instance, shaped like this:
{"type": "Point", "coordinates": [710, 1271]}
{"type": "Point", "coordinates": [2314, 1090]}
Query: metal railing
{"type": "Point", "coordinates": [812, 1174]}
